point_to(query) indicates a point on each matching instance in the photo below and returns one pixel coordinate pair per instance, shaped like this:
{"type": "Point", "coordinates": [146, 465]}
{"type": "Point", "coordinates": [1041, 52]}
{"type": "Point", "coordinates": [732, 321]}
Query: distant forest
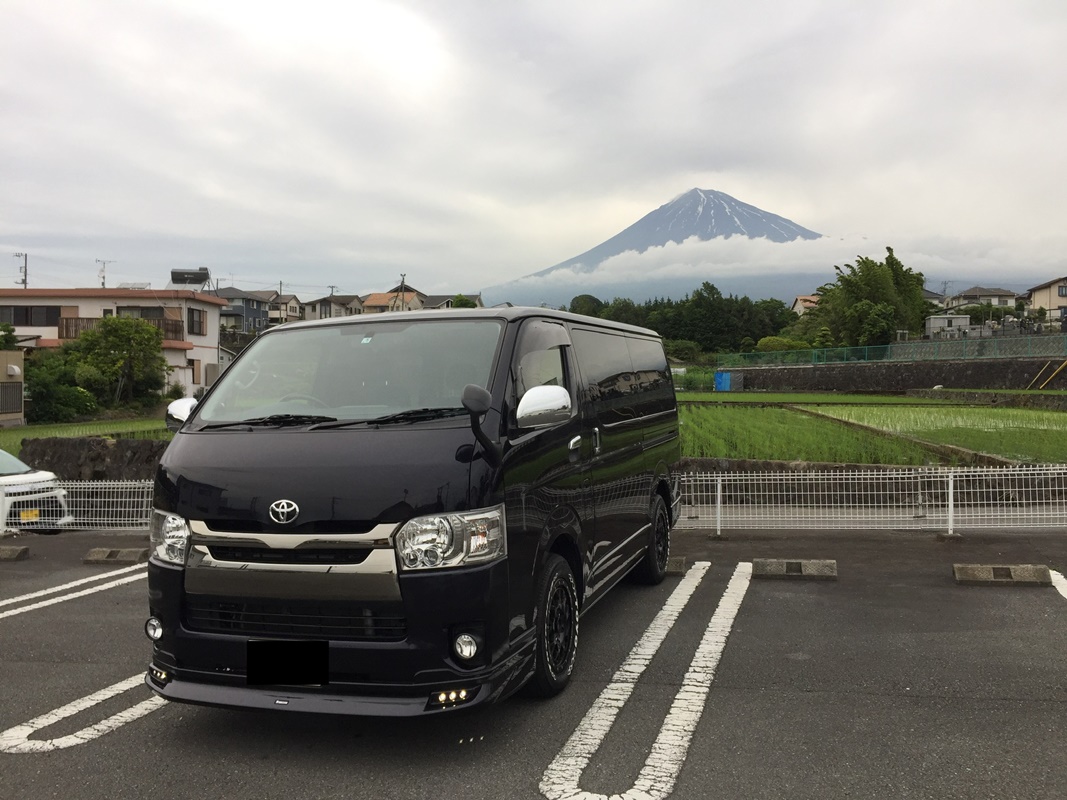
{"type": "Point", "coordinates": [866, 304]}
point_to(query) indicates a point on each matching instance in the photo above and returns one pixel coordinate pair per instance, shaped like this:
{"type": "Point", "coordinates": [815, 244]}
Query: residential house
{"type": "Point", "coordinates": [281, 308]}
{"type": "Point", "coordinates": [934, 297]}
{"type": "Point", "coordinates": [446, 300]}
{"type": "Point", "coordinates": [334, 305]}
{"type": "Point", "coordinates": [395, 300]}
{"type": "Point", "coordinates": [407, 298]}
{"type": "Point", "coordinates": [246, 312]}
{"type": "Point", "coordinates": [980, 296]}
{"type": "Point", "coordinates": [947, 326]}
{"type": "Point", "coordinates": [189, 321]}
{"type": "Point", "coordinates": [1051, 296]}
{"type": "Point", "coordinates": [804, 303]}
{"type": "Point", "coordinates": [226, 357]}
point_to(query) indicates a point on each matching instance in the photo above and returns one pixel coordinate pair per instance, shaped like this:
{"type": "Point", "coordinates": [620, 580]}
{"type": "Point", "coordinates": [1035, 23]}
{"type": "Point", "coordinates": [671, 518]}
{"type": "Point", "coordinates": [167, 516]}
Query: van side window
{"type": "Point", "coordinates": [608, 379]}
{"type": "Point", "coordinates": [652, 375]}
{"type": "Point", "coordinates": [540, 357]}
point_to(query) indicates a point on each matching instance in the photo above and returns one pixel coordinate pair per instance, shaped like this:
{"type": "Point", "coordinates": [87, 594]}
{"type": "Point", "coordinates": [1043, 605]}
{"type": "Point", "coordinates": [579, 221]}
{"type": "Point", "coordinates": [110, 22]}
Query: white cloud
{"type": "Point", "coordinates": [470, 143]}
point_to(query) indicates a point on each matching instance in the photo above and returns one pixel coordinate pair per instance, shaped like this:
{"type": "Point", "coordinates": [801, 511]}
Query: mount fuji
{"type": "Point", "coordinates": [699, 214]}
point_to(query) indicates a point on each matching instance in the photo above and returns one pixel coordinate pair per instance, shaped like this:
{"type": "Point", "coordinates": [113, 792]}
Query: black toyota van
{"type": "Point", "coordinates": [406, 513]}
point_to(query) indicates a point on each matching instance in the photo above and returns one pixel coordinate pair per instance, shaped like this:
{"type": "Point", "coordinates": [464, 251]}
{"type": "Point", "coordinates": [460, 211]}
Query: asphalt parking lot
{"type": "Point", "coordinates": [890, 681]}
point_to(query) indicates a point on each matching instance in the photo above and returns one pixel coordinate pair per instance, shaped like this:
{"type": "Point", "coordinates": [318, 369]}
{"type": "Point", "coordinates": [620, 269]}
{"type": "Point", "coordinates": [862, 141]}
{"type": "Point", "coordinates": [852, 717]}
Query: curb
{"type": "Point", "coordinates": [676, 565]}
{"type": "Point", "coordinates": [1002, 574]}
{"type": "Point", "coordinates": [802, 569]}
{"type": "Point", "coordinates": [14, 553]}
{"type": "Point", "coordinates": [105, 555]}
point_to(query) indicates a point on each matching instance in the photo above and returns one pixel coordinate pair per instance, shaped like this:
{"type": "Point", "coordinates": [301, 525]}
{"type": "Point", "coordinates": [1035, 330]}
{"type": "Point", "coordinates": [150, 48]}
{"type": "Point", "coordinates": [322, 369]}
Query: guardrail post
{"type": "Point", "coordinates": [718, 507]}
{"type": "Point", "coordinates": [951, 503]}
{"type": "Point", "coordinates": [951, 533]}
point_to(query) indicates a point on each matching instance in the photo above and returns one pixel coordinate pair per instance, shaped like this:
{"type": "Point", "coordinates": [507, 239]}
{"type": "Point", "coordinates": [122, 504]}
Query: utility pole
{"type": "Point", "coordinates": [23, 269]}
{"type": "Point", "coordinates": [103, 271]}
{"type": "Point", "coordinates": [332, 289]}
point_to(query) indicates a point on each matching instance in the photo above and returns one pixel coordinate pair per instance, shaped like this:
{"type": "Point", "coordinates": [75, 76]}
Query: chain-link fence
{"type": "Point", "coordinates": [962, 349]}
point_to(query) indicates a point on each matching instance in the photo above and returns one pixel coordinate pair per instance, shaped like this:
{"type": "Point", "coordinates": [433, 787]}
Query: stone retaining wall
{"type": "Point", "coordinates": [95, 459]}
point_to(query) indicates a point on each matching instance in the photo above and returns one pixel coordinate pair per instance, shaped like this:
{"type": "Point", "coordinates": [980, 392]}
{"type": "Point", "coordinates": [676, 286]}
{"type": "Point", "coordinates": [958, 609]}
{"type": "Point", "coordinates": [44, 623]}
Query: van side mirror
{"type": "Point", "coordinates": [477, 400]}
{"type": "Point", "coordinates": [543, 406]}
{"type": "Point", "coordinates": [178, 412]}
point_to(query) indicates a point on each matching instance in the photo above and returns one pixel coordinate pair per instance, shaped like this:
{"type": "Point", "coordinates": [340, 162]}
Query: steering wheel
{"type": "Point", "coordinates": [307, 398]}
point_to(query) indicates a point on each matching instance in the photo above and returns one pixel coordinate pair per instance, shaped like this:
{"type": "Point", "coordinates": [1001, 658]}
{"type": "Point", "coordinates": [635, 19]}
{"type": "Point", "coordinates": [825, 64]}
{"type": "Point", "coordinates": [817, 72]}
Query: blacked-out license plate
{"type": "Point", "coordinates": [288, 663]}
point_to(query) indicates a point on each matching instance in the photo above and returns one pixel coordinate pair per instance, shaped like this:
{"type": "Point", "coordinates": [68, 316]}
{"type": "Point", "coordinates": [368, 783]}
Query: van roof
{"type": "Point", "coordinates": [508, 313]}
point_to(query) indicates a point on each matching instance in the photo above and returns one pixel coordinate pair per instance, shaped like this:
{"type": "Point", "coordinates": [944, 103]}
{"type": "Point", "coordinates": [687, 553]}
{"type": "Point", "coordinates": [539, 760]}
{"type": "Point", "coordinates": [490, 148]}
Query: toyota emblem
{"type": "Point", "coordinates": [284, 511]}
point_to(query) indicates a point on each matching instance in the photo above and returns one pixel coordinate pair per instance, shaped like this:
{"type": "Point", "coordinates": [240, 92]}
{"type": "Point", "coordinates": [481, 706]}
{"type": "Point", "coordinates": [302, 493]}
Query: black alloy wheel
{"type": "Point", "coordinates": [653, 567]}
{"type": "Point", "coordinates": [557, 627]}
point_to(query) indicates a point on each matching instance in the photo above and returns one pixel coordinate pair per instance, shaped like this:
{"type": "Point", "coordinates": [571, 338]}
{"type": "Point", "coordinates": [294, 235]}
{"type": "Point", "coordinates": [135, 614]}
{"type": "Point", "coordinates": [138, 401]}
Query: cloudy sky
{"type": "Point", "coordinates": [468, 143]}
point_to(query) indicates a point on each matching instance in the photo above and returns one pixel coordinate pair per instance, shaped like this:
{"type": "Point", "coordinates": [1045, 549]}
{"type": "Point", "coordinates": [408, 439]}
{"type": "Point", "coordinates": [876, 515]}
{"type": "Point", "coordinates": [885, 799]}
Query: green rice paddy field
{"type": "Point", "coordinates": [745, 426]}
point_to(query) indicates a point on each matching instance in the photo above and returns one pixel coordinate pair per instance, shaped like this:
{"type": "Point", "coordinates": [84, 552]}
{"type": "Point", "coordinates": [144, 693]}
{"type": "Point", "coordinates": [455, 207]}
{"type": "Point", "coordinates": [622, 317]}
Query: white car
{"type": "Point", "coordinates": [30, 499]}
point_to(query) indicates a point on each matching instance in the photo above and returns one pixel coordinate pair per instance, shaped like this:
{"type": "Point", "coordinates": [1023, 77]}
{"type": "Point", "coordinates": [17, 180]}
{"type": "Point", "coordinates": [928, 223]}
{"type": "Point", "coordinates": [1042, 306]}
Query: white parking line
{"type": "Point", "coordinates": [71, 585]}
{"type": "Point", "coordinates": [16, 740]}
{"type": "Point", "coordinates": [1059, 582]}
{"type": "Point", "coordinates": [73, 595]}
{"type": "Point", "coordinates": [657, 778]}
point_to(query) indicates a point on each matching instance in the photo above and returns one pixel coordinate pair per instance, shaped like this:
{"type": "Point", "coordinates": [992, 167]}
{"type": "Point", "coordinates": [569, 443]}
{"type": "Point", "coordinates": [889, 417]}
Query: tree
{"type": "Point", "coordinates": [623, 309]}
{"type": "Point", "coordinates": [462, 301]}
{"type": "Point", "coordinates": [823, 338]}
{"type": "Point", "coordinates": [121, 360]}
{"type": "Point", "coordinates": [8, 340]}
{"type": "Point", "coordinates": [586, 304]}
{"type": "Point", "coordinates": [776, 344]}
{"type": "Point", "coordinates": [681, 350]}
{"type": "Point", "coordinates": [867, 304]}
{"type": "Point", "coordinates": [50, 384]}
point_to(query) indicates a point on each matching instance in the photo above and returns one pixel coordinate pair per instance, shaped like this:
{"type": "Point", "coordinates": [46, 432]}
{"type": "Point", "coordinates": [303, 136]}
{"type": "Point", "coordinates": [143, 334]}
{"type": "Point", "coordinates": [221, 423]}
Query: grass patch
{"type": "Point", "coordinates": [11, 438]}
{"type": "Point", "coordinates": [810, 398]}
{"type": "Point", "coordinates": [1021, 434]}
{"type": "Point", "coordinates": [778, 434]}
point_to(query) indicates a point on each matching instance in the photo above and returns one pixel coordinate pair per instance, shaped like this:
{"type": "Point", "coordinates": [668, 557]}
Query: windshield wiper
{"type": "Point", "coordinates": [412, 415]}
{"type": "Point", "coordinates": [273, 420]}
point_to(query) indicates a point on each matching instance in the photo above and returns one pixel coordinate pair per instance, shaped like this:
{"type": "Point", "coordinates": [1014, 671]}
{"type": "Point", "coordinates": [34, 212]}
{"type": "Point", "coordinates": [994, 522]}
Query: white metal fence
{"type": "Point", "coordinates": [946, 499]}
{"type": "Point", "coordinates": [109, 505]}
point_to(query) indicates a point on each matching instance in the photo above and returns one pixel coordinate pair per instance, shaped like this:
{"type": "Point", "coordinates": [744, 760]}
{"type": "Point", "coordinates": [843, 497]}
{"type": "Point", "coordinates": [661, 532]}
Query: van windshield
{"type": "Point", "coordinates": [355, 371]}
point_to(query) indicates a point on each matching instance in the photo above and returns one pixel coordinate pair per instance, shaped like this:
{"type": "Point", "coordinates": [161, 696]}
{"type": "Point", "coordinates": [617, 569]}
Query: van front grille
{"type": "Point", "coordinates": [255, 554]}
{"type": "Point", "coordinates": [293, 619]}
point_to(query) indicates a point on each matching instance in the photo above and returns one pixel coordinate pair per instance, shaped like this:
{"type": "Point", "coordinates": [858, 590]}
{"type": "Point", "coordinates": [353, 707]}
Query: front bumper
{"type": "Point", "coordinates": [393, 675]}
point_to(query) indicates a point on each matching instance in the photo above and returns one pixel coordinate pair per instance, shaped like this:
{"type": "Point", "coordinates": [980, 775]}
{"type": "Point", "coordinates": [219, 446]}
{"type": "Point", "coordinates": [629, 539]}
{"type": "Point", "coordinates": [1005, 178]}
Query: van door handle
{"type": "Point", "coordinates": [596, 441]}
{"type": "Point", "coordinates": [574, 443]}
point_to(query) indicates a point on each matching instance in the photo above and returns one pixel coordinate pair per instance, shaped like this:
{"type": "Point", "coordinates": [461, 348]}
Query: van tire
{"type": "Point", "coordinates": [653, 567]}
{"type": "Point", "coordinates": [556, 623]}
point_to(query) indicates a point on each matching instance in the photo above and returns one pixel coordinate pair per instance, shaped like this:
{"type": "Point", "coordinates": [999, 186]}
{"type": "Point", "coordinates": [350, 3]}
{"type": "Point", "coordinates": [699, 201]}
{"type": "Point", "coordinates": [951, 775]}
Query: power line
{"type": "Point", "coordinates": [103, 271]}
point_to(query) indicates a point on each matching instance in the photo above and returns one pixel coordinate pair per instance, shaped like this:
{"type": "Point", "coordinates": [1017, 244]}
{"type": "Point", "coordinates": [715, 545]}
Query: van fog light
{"type": "Point", "coordinates": [466, 646]}
{"type": "Point", "coordinates": [158, 675]}
{"type": "Point", "coordinates": [450, 698]}
{"type": "Point", "coordinates": [153, 629]}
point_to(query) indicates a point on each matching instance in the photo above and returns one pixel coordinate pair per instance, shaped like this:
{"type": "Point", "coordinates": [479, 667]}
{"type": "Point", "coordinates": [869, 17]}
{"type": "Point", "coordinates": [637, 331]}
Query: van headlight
{"type": "Point", "coordinates": [452, 540]}
{"type": "Point", "coordinates": [169, 537]}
